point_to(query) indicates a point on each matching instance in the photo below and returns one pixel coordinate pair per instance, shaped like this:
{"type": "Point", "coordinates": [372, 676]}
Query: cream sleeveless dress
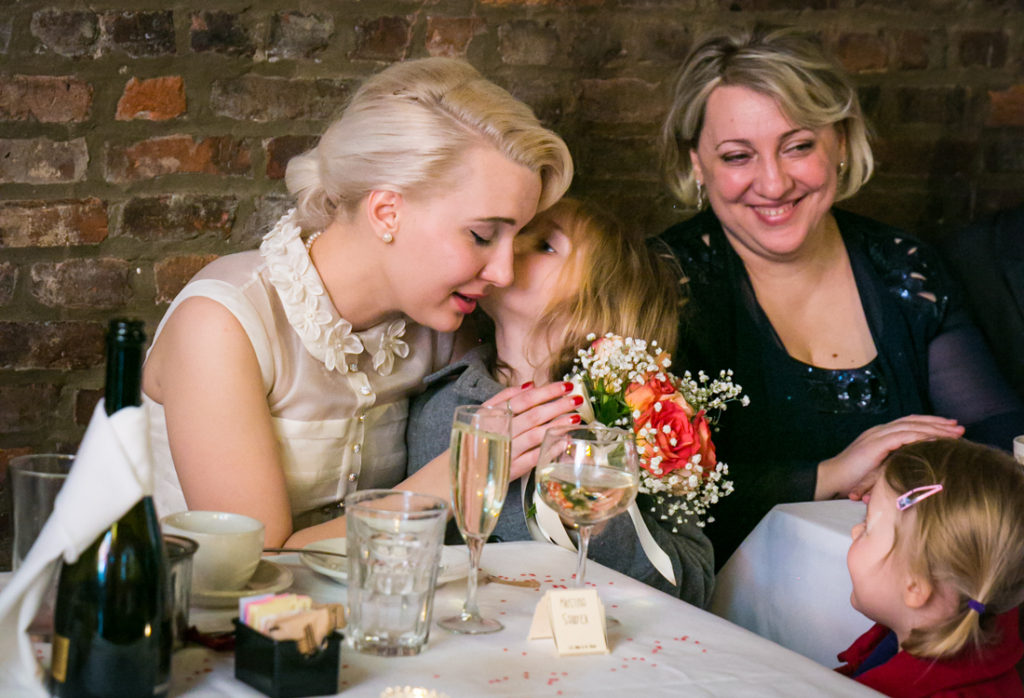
{"type": "Point", "coordinates": [338, 398]}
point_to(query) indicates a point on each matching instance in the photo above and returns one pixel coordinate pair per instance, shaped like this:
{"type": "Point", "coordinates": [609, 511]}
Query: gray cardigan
{"type": "Point", "coordinates": [468, 381]}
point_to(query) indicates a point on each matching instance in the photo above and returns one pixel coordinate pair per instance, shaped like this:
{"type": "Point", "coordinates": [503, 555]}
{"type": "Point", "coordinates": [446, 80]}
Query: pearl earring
{"type": "Point", "coordinates": [387, 238]}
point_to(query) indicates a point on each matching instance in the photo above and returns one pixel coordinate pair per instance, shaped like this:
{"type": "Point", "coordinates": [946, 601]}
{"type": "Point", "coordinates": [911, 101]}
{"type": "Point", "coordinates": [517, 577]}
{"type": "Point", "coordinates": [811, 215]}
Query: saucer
{"type": "Point", "coordinates": [268, 578]}
{"type": "Point", "coordinates": [454, 561]}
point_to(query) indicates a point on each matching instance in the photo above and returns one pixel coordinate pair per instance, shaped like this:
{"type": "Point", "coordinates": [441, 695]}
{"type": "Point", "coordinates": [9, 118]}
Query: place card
{"type": "Point", "coordinates": [574, 618]}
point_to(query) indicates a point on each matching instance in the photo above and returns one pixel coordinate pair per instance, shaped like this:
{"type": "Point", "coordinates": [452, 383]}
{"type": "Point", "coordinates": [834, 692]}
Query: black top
{"type": "Point", "coordinates": [931, 360]}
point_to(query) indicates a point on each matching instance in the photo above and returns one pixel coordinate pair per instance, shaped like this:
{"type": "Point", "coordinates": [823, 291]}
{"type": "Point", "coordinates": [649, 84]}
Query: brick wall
{"type": "Point", "coordinates": [141, 139]}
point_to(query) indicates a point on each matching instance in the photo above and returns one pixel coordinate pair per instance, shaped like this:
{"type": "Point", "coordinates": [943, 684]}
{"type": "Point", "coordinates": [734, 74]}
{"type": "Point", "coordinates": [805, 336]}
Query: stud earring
{"type": "Point", "coordinates": [387, 238]}
{"type": "Point", "coordinates": [842, 167]}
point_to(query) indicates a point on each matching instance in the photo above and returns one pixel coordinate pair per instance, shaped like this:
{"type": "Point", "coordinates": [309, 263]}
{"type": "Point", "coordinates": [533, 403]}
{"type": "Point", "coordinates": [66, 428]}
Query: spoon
{"type": "Point", "coordinates": [304, 550]}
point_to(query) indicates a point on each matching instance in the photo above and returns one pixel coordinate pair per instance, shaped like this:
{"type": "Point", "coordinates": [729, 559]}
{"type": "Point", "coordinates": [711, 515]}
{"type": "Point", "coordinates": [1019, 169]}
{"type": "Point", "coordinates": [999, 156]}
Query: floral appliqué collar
{"type": "Point", "coordinates": [324, 333]}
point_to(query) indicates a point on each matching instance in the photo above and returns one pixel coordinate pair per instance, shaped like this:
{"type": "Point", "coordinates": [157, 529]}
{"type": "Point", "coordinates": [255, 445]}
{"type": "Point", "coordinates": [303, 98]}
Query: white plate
{"type": "Point", "coordinates": [269, 578]}
{"type": "Point", "coordinates": [454, 561]}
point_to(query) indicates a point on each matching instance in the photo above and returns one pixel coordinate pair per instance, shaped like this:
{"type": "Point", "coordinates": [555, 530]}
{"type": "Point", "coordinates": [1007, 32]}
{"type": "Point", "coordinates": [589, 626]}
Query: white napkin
{"type": "Point", "coordinates": [111, 472]}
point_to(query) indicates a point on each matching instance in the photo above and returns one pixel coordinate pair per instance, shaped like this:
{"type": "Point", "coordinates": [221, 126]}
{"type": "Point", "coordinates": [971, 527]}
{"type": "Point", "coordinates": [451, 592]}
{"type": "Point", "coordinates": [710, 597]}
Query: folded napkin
{"type": "Point", "coordinates": [111, 472]}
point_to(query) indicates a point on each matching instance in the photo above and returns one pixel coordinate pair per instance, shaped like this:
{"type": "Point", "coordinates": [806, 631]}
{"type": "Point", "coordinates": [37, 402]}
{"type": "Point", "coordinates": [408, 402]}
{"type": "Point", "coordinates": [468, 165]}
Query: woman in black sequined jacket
{"type": "Point", "coordinates": [846, 333]}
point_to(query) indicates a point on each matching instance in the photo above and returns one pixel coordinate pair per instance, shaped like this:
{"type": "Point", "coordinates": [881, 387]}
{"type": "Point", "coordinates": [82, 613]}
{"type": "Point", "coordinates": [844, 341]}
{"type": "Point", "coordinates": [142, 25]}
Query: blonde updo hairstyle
{"type": "Point", "coordinates": [407, 127]}
{"type": "Point", "coordinates": [619, 283]}
{"type": "Point", "coordinates": [968, 538]}
{"type": "Point", "coordinates": [809, 88]}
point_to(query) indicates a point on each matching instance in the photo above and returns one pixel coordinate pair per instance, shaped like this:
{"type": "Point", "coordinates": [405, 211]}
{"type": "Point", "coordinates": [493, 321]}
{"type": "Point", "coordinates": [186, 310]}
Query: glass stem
{"type": "Point", "coordinates": [581, 562]}
{"type": "Point", "coordinates": [476, 546]}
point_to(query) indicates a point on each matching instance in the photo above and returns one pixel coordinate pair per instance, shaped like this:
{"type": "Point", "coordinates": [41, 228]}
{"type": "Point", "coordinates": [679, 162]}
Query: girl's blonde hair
{"type": "Point", "coordinates": [810, 89]}
{"type": "Point", "coordinates": [407, 127]}
{"type": "Point", "coordinates": [968, 538]}
{"type": "Point", "coordinates": [621, 283]}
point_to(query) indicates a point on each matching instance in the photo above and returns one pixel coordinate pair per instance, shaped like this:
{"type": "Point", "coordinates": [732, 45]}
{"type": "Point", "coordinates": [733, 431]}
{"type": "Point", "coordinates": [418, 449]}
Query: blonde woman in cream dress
{"type": "Point", "coordinates": [278, 379]}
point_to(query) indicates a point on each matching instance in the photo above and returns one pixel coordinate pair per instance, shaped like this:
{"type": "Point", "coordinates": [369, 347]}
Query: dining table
{"type": "Point", "coordinates": [659, 646]}
{"type": "Point", "coordinates": [788, 580]}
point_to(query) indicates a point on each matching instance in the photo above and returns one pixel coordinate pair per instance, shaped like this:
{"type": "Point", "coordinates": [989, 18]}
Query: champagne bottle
{"type": "Point", "coordinates": [112, 622]}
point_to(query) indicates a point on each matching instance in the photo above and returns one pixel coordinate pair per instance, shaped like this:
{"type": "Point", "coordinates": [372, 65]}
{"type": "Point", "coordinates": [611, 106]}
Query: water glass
{"type": "Point", "coordinates": [394, 542]}
{"type": "Point", "coordinates": [35, 480]}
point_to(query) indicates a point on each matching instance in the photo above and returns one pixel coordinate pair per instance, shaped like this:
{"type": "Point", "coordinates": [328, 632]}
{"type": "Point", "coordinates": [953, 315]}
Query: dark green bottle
{"type": "Point", "coordinates": [112, 622]}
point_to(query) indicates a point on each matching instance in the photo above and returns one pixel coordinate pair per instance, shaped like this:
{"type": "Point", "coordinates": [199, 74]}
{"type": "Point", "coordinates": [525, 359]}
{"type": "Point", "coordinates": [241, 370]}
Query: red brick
{"type": "Point", "coordinates": [383, 39]}
{"type": "Point", "coordinates": [220, 32]}
{"type": "Point", "coordinates": [62, 346]}
{"type": "Point", "coordinates": [912, 49]}
{"type": "Point", "coordinates": [68, 33]}
{"type": "Point", "coordinates": [296, 35]}
{"type": "Point", "coordinates": [613, 158]}
{"type": "Point", "coordinates": [27, 407]}
{"type": "Point", "coordinates": [547, 98]}
{"type": "Point", "coordinates": [6, 454]}
{"type": "Point", "coordinates": [1006, 106]}
{"type": "Point", "coordinates": [60, 223]}
{"type": "Point", "coordinates": [862, 53]}
{"type": "Point", "coordinates": [450, 36]}
{"type": "Point", "coordinates": [173, 273]}
{"type": "Point", "coordinates": [155, 157]}
{"type": "Point", "coordinates": [42, 161]}
{"type": "Point", "coordinates": [178, 217]}
{"type": "Point", "coordinates": [85, 404]}
{"type": "Point", "coordinates": [261, 99]}
{"type": "Point", "coordinates": [79, 284]}
{"type": "Point", "coordinates": [139, 34]}
{"type": "Point", "coordinates": [622, 100]}
{"type": "Point", "coordinates": [44, 98]}
{"type": "Point", "coordinates": [282, 149]}
{"type": "Point", "coordinates": [983, 48]}
{"type": "Point", "coordinates": [907, 156]}
{"type": "Point", "coordinates": [8, 279]}
{"type": "Point", "coordinates": [157, 99]}
{"type": "Point", "coordinates": [524, 42]}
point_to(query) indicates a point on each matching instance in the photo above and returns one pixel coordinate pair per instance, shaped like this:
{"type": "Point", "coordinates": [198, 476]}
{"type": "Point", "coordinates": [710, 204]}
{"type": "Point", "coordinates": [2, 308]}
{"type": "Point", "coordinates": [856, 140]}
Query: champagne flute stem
{"type": "Point", "coordinates": [581, 561]}
{"type": "Point", "coordinates": [476, 546]}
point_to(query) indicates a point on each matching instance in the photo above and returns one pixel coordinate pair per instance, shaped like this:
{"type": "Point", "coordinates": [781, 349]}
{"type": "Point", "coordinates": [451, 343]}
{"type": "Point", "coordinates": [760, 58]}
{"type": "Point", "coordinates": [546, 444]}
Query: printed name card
{"type": "Point", "coordinates": [574, 618]}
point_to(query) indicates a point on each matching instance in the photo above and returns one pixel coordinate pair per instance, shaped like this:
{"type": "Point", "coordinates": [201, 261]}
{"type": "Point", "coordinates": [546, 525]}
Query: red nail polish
{"type": "Point", "coordinates": [527, 384]}
{"type": "Point", "coordinates": [577, 400]}
{"type": "Point", "coordinates": [567, 387]}
{"type": "Point", "coordinates": [575, 419]}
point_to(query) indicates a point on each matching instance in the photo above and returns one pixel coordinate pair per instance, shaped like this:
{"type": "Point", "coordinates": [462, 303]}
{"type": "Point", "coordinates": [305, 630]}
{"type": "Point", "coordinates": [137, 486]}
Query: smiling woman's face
{"type": "Point", "coordinates": [770, 182]}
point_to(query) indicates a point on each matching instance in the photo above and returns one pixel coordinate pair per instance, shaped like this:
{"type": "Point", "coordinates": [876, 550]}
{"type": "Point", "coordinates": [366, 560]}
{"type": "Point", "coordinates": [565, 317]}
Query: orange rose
{"type": "Point", "coordinates": [640, 396]}
{"type": "Point", "coordinates": [667, 435]}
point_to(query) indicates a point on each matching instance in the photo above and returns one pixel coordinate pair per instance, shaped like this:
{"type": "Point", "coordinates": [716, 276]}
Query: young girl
{"type": "Point", "coordinates": [938, 564]}
{"type": "Point", "coordinates": [576, 272]}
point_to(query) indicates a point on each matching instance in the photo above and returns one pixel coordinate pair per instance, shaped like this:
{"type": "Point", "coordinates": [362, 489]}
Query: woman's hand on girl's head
{"type": "Point", "coordinates": [854, 471]}
{"type": "Point", "coordinates": [536, 409]}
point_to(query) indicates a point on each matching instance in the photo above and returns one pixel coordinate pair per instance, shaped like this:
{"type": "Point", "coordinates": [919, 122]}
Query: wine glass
{"type": "Point", "coordinates": [587, 474]}
{"type": "Point", "coordinates": [481, 453]}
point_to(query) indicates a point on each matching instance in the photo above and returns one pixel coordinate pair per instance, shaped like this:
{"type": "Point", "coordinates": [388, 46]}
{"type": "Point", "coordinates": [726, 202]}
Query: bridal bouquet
{"type": "Point", "coordinates": [625, 382]}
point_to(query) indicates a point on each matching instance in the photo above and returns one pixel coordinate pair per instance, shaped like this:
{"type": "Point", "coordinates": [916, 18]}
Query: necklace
{"type": "Point", "coordinates": [312, 238]}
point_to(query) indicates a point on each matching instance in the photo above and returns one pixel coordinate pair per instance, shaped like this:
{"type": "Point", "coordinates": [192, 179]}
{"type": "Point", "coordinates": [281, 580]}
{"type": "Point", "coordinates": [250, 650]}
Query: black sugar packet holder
{"type": "Point", "coordinates": [278, 669]}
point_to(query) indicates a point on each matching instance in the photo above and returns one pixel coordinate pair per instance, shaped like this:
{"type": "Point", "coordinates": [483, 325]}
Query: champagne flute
{"type": "Point", "coordinates": [587, 474]}
{"type": "Point", "coordinates": [481, 453]}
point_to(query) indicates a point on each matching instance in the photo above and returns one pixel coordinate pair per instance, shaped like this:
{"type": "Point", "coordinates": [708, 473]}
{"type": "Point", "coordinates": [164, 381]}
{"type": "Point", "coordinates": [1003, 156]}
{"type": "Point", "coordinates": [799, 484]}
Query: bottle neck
{"type": "Point", "coordinates": [125, 340]}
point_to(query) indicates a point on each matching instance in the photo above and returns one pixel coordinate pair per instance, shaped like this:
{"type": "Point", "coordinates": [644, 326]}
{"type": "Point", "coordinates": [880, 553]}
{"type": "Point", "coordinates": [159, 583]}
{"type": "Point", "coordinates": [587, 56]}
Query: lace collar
{"type": "Point", "coordinates": [324, 333]}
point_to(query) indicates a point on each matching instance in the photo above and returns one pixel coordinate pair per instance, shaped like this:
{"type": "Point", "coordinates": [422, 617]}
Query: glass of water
{"type": "Point", "coordinates": [394, 542]}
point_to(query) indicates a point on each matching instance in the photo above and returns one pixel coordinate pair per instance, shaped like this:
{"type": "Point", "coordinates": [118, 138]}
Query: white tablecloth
{"type": "Point", "coordinates": [788, 581]}
{"type": "Point", "coordinates": [662, 647]}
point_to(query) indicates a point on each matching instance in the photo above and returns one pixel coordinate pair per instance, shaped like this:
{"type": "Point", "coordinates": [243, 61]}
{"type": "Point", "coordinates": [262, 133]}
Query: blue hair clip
{"type": "Point", "coordinates": [912, 497]}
